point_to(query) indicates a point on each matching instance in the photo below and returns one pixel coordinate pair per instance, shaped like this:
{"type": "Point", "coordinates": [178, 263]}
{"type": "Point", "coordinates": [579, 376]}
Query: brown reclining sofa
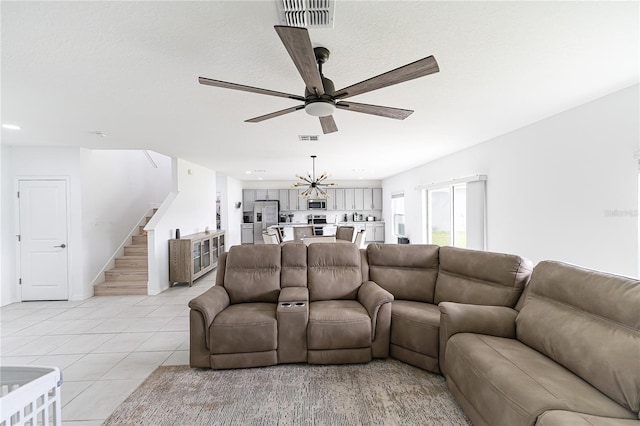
{"type": "Point", "coordinates": [550, 355]}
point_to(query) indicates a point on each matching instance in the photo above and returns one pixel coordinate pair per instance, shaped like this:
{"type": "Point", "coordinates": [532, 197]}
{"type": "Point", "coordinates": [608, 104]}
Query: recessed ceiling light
{"type": "Point", "coordinates": [259, 178]}
{"type": "Point", "coordinates": [11, 126]}
{"type": "Point", "coordinates": [248, 172]}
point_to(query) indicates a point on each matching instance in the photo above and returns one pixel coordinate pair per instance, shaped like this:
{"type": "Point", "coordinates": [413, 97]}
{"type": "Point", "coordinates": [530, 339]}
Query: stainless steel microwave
{"type": "Point", "coordinates": [316, 204]}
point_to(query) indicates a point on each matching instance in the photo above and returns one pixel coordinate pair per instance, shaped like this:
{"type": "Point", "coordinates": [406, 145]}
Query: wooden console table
{"type": "Point", "coordinates": [194, 255]}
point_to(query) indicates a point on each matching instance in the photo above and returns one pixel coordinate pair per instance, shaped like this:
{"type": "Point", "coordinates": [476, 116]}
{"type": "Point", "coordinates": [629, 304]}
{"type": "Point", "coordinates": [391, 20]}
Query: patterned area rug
{"type": "Point", "coordinates": [383, 392]}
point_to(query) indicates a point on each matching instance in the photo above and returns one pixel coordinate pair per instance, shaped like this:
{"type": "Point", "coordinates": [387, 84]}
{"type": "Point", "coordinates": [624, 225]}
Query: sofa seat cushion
{"type": "Point", "coordinates": [563, 418]}
{"type": "Point", "coordinates": [510, 383]}
{"type": "Point", "coordinates": [338, 324]}
{"type": "Point", "coordinates": [245, 327]}
{"type": "Point", "coordinates": [415, 325]}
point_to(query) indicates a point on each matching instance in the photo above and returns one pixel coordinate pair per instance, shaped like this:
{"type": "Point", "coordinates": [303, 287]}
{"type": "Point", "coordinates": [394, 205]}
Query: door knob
{"type": "Point", "coordinates": [61, 246]}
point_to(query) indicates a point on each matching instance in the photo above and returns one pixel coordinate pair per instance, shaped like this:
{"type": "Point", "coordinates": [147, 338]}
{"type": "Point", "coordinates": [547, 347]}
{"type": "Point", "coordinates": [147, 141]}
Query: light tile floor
{"type": "Point", "coordinates": [105, 346]}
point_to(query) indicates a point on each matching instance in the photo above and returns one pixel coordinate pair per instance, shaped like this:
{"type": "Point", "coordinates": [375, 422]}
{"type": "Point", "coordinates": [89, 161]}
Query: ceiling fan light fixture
{"type": "Point", "coordinates": [320, 108]}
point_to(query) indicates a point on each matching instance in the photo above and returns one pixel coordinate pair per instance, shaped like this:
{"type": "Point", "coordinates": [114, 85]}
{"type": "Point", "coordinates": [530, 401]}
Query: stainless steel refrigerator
{"type": "Point", "coordinates": [265, 214]}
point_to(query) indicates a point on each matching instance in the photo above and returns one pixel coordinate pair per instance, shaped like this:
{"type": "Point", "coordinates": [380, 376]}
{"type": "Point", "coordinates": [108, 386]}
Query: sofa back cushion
{"type": "Point", "coordinates": [252, 273]}
{"type": "Point", "coordinates": [294, 265]}
{"type": "Point", "coordinates": [588, 322]}
{"type": "Point", "coordinates": [408, 272]}
{"type": "Point", "coordinates": [333, 271]}
{"type": "Point", "coordinates": [481, 277]}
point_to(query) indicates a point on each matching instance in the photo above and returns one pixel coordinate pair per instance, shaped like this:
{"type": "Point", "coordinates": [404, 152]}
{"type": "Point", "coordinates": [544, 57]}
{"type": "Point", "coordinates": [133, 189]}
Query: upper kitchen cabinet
{"type": "Point", "coordinates": [340, 204]}
{"type": "Point", "coordinates": [267, 194]}
{"type": "Point", "coordinates": [354, 199]}
{"type": "Point", "coordinates": [373, 199]}
{"type": "Point", "coordinates": [248, 198]}
{"type": "Point", "coordinates": [336, 199]}
{"type": "Point", "coordinates": [284, 199]}
{"type": "Point", "coordinates": [295, 202]}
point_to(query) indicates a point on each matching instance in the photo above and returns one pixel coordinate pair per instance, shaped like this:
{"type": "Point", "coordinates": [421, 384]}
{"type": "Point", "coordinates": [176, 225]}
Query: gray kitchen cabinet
{"type": "Point", "coordinates": [367, 198]}
{"type": "Point", "coordinates": [267, 194]}
{"type": "Point", "coordinates": [246, 234]}
{"type": "Point", "coordinates": [377, 198]}
{"type": "Point", "coordinates": [248, 198]}
{"type": "Point", "coordinates": [359, 198]}
{"type": "Point", "coordinates": [372, 199]}
{"type": "Point", "coordinates": [295, 202]}
{"type": "Point", "coordinates": [261, 194]}
{"type": "Point", "coordinates": [340, 204]}
{"type": "Point", "coordinates": [331, 199]}
{"type": "Point", "coordinates": [375, 232]}
{"type": "Point", "coordinates": [283, 197]}
{"type": "Point", "coordinates": [349, 199]}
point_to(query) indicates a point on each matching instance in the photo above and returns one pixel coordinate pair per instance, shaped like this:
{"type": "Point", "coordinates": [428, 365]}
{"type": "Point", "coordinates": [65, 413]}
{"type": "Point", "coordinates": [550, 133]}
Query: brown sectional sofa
{"type": "Point", "coordinates": [570, 353]}
{"type": "Point", "coordinates": [288, 303]}
{"type": "Point", "coordinates": [422, 276]}
{"type": "Point", "coordinates": [566, 350]}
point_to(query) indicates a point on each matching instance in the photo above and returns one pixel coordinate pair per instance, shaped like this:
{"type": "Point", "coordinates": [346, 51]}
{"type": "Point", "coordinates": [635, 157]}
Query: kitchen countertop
{"type": "Point", "coordinates": [330, 224]}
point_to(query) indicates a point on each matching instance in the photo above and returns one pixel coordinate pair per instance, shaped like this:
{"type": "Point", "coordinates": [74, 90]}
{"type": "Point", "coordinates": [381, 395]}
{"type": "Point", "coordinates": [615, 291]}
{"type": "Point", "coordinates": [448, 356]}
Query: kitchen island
{"type": "Point", "coordinates": [375, 229]}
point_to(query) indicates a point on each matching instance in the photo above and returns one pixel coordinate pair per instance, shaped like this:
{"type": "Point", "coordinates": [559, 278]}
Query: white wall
{"type": "Point", "coordinates": [118, 190]}
{"type": "Point", "coordinates": [230, 190]}
{"type": "Point", "coordinates": [564, 188]}
{"type": "Point", "coordinates": [190, 207]}
{"type": "Point", "coordinates": [108, 192]}
{"type": "Point", "coordinates": [38, 162]}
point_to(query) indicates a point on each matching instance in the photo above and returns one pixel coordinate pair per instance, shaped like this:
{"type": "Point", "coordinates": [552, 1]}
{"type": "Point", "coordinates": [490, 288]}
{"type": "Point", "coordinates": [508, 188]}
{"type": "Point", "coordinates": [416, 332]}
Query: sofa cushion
{"type": "Point", "coordinates": [338, 324]}
{"type": "Point", "coordinates": [294, 265]}
{"type": "Point", "coordinates": [480, 277]}
{"type": "Point", "coordinates": [511, 384]}
{"type": "Point", "coordinates": [245, 327]}
{"type": "Point", "coordinates": [415, 325]}
{"type": "Point", "coordinates": [563, 418]}
{"type": "Point", "coordinates": [333, 271]}
{"type": "Point", "coordinates": [407, 271]}
{"type": "Point", "coordinates": [588, 322]}
{"type": "Point", "coordinates": [252, 273]}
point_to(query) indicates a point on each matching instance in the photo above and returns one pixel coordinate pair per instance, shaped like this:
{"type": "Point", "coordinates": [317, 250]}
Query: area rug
{"type": "Point", "coordinates": [382, 392]}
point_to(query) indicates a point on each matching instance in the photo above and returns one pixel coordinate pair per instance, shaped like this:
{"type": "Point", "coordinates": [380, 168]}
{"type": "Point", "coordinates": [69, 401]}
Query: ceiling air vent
{"type": "Point", "coordinates": [306, 13]}
{"type": "Point", "coordinates": [309, 138]}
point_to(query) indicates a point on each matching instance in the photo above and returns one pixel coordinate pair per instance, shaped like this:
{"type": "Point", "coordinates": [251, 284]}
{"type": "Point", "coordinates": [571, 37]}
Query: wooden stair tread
{"type": "Point", "coordinates": [115, 284]}
{"type": "Point", "coordinates": [120, 288]}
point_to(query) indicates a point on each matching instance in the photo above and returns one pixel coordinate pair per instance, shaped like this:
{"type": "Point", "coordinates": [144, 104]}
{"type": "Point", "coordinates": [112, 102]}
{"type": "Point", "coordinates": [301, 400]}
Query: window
{"type": "Point", "coordinates": [397, 212]}
{"type": "Point", "coordinates": [455, 213]}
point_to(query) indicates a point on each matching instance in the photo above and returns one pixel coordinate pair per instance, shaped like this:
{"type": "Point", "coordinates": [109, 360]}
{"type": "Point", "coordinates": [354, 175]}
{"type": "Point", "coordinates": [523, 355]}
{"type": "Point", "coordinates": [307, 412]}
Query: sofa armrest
{"type": "Point", "coordinates": [481, 319]}
{"type": "Point", "coordinates": [209, 304]}
{"type": "Point", "coordinates": [294, 294]}
{"type": "Point", "coordinates": [372, 297]}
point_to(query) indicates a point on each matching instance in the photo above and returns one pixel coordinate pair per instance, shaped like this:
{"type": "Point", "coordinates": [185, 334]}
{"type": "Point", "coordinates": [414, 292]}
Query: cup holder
{"type": "Point", "coordinates": [292, 304]}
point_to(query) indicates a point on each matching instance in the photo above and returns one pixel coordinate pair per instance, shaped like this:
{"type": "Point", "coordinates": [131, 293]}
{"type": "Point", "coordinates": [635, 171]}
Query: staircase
{"type": "Point", "coordinates": [131, 271]}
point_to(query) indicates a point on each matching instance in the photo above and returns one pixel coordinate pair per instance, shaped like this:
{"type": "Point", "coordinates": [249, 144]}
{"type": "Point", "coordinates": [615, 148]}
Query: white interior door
{"type": "Point", "coordinates": [43, 240]}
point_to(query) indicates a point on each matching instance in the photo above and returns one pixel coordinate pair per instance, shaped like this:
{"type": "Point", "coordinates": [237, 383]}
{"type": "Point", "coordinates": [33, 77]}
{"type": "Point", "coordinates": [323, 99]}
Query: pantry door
{"type": "Point", "coordinates": [43, 238]}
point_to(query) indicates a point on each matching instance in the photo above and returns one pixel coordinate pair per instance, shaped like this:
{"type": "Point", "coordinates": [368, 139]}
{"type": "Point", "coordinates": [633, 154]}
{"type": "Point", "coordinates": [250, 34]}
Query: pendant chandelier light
{"type": "Point", "coordinates": [315, 187]}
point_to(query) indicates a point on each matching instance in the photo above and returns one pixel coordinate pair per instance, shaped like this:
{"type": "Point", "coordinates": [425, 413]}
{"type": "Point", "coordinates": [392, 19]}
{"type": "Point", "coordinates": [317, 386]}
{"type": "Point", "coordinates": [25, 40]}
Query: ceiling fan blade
{"type": "Point", "coordinates": [397, 113]}
{"type": "Point", "coordinates": [408, 72]}
{"type": "Point", "coordinates": [296, 41]}
{"type": "Point", "coordinates": [274, 114]}
{"type": "Point", "coordinates": [227, 85]}
{"type": "Point", "coordinates": [328, 125]}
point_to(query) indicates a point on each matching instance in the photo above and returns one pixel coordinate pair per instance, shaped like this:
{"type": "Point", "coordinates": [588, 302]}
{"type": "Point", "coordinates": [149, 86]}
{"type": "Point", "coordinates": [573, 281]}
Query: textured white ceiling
{"type": "Point", "coordinates": [131, 69]}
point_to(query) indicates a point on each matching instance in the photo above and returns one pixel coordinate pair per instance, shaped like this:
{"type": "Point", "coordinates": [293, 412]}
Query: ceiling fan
{"type": "Point", "coordinates": [320, 97]}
